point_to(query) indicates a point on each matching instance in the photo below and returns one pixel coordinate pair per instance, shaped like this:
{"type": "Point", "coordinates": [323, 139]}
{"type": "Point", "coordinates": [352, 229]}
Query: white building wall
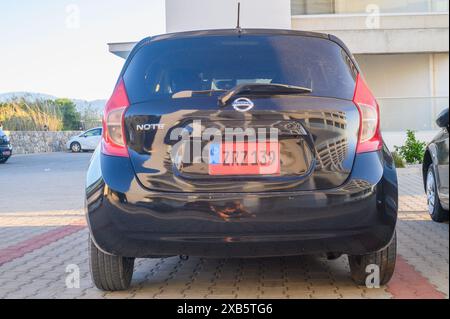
{"type": "Point", "coordinates": [397, 75]}
{"type": "Point", "coordinates": [183, 15]}
{"type": "Point", "coordinates": [412, 90]}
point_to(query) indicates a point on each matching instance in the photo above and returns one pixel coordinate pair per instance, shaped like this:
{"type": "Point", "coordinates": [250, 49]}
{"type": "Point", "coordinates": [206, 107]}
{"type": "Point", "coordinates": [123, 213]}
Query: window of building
{"type": "Point", "coordinates": [303, 7]}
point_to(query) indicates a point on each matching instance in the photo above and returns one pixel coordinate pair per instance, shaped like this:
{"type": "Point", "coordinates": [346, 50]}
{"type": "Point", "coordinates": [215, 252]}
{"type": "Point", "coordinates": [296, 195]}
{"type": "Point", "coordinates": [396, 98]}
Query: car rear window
{"type": "Point", "coordinates": [163, 68]}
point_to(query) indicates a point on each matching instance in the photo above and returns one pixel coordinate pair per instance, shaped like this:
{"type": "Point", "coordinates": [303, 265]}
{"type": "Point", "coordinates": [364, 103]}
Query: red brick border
{"type": "Point", "coordinates": [408, 283]}
{"type": "Point", "coordinates": [21, 249]}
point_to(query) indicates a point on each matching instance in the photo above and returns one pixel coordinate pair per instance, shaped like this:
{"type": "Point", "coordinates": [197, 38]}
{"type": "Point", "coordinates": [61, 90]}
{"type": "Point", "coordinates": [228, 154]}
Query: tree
{"type": "Point", "coordinates": [70, 115]}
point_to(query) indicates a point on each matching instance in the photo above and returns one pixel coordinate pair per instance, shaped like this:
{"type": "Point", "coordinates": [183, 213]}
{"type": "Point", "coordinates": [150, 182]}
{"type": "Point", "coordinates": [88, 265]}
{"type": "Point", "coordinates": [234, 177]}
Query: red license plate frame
{"type": "Point", "coordinates": [245, 158]}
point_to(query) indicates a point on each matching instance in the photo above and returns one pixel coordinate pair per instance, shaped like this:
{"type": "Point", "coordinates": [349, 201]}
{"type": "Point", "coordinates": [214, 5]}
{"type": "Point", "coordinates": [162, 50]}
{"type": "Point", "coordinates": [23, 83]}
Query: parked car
{"type": "Point", "coordinates": [180, 171]}
{"type": "Point", "coordinates": [5, 148]}
{"type": "Point", "coordinates": [435, 171]}
{"type": "Point", "coordinates": [87, 141]}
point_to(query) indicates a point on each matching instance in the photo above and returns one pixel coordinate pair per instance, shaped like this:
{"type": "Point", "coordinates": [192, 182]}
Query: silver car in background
{"type": "Point", "coordinates": [86, 141]}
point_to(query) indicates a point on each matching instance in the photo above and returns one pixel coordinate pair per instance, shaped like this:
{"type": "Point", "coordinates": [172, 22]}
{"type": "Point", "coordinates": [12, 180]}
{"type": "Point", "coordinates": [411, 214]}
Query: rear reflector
{"type": "Point", "coordinates": [370, 138]}
{"type": "Point", "coordinates": [113, 141]}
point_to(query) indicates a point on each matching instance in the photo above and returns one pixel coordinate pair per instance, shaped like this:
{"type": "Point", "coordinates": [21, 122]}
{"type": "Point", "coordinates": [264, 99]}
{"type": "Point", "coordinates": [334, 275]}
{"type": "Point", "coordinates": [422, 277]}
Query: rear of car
{"type": "Point", "coordinates": [5, 148]}
{"type": "Point", "coordinates": [238, 143]}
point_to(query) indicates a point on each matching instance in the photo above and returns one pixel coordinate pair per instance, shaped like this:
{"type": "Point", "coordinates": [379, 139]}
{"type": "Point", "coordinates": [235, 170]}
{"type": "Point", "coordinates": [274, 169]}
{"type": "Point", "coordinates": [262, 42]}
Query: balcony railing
{"type": "Point", "coordinates": [418, 114]}
{"type": "Point", "coordinates": [305, 7]}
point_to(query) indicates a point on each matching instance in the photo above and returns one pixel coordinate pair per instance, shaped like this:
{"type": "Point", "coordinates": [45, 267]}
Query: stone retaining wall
{"type": "Point", "coordinates": [39, 142]}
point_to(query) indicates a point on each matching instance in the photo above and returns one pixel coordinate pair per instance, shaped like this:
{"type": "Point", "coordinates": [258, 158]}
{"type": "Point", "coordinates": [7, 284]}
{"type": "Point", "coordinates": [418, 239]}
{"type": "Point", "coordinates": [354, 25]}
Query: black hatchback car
{"type": "Point", "coordinates": [241, 143]}
{"type": "Point", "coordinates": [5, 148]}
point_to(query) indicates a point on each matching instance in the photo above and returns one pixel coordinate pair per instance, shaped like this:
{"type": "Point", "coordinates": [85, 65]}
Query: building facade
{"type": "Point", "coordinates": [402, 46]}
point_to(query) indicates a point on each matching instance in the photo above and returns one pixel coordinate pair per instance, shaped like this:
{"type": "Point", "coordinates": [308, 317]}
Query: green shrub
{"type": "Point", "coordinates": [398, 160]}
{"type": "Point", "coordinates": [413, 150]}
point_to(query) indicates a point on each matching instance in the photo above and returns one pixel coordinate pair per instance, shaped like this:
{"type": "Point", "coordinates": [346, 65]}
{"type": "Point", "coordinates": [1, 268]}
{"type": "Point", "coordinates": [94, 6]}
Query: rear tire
{"type": "Point", "coordinates": [75, 147]}
{"type": "Point", "coordinates": [3, 161]}
{"type": "Point", "coordinates": [110, 273]}
{"type": "Point", "coordinates": [437, 213]}
{"type": "Point", "coordinates": [384, 259]}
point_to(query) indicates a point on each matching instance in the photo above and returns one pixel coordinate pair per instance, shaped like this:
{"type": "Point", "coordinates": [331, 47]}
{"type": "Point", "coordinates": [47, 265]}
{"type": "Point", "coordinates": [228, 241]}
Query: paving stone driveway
{"type": "Point", "coordinates": [43, 238]}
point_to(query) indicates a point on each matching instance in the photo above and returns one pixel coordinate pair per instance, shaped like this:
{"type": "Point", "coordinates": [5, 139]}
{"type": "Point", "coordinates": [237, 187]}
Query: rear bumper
{"type": "Point", "coordinates": [127, 220]}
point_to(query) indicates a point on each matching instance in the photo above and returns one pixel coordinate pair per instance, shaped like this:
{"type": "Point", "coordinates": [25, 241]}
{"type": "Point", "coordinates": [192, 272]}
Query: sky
{"type": "Point", "coordinates": [59, 47]}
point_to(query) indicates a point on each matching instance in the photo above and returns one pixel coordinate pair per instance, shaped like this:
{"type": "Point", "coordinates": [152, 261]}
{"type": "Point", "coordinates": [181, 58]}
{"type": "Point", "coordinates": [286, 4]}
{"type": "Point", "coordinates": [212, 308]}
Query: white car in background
{"type": "Point", "coordinates": [87, 141]}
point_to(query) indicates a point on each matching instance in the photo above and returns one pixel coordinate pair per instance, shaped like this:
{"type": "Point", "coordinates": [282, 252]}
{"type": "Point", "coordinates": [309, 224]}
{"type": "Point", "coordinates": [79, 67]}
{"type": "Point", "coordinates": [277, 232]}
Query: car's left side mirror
{"type": "Point", "coordinates": [442, 120]}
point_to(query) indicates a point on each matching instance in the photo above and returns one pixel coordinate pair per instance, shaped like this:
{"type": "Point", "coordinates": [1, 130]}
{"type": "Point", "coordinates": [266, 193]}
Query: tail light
{"type": "Point", "coordinates": [370, 139]}
{"type": "Point", "coordinates": [113, 142]}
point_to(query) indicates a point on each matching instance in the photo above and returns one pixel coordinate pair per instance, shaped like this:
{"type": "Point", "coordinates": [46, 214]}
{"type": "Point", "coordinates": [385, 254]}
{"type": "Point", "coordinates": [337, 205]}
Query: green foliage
{"type": "Point", "coordinates": [413, 150]}
{"type": "Point", "coordinates": [71, 117]}
{"type": "Point", "coordinates": [398, 160]}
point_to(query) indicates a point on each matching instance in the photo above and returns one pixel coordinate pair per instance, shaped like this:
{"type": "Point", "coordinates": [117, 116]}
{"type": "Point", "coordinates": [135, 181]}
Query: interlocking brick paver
{"type": "Point", "coordinates": [40, 272]}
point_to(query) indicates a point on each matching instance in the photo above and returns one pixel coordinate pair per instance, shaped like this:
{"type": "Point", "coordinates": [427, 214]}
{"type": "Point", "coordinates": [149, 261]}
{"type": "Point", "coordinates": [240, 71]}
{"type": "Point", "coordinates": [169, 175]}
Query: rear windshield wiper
{"type": "Point", "coordinates": [262, 88]}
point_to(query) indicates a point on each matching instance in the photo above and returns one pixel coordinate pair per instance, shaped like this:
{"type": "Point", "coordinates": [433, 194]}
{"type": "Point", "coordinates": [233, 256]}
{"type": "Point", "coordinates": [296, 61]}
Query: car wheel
{"type": "Point", "coordinates": [384, 259]}
{"type": "Point", "coordinates": [75, 147]}
{"type": "Point", "coordinates": [437, 213]}
{"type": "Point", "coordinates": [110, 273]}
{"type": "Point", "coordinates": [3, 161]}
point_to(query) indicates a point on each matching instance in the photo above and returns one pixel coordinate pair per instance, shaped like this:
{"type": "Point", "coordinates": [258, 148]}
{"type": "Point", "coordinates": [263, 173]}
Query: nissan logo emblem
{"type": "Point", "coordinates": [243, 104]}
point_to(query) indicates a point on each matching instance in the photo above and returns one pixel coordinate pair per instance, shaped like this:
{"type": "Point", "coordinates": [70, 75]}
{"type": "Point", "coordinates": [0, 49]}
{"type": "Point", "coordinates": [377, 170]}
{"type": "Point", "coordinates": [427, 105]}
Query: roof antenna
{"type": "Point", "coordinates": [239, 29]}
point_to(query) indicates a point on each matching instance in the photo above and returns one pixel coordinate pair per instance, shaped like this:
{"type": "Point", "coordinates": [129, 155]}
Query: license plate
{"type": "Point", "coordinates": [244, 158]}
{"type": "Point", "coordinates": [6, 153]}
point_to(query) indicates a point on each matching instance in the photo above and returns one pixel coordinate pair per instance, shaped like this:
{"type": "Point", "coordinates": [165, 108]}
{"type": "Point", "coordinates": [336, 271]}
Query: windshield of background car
{"type": "Point", "coordinates": [163, 68]}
